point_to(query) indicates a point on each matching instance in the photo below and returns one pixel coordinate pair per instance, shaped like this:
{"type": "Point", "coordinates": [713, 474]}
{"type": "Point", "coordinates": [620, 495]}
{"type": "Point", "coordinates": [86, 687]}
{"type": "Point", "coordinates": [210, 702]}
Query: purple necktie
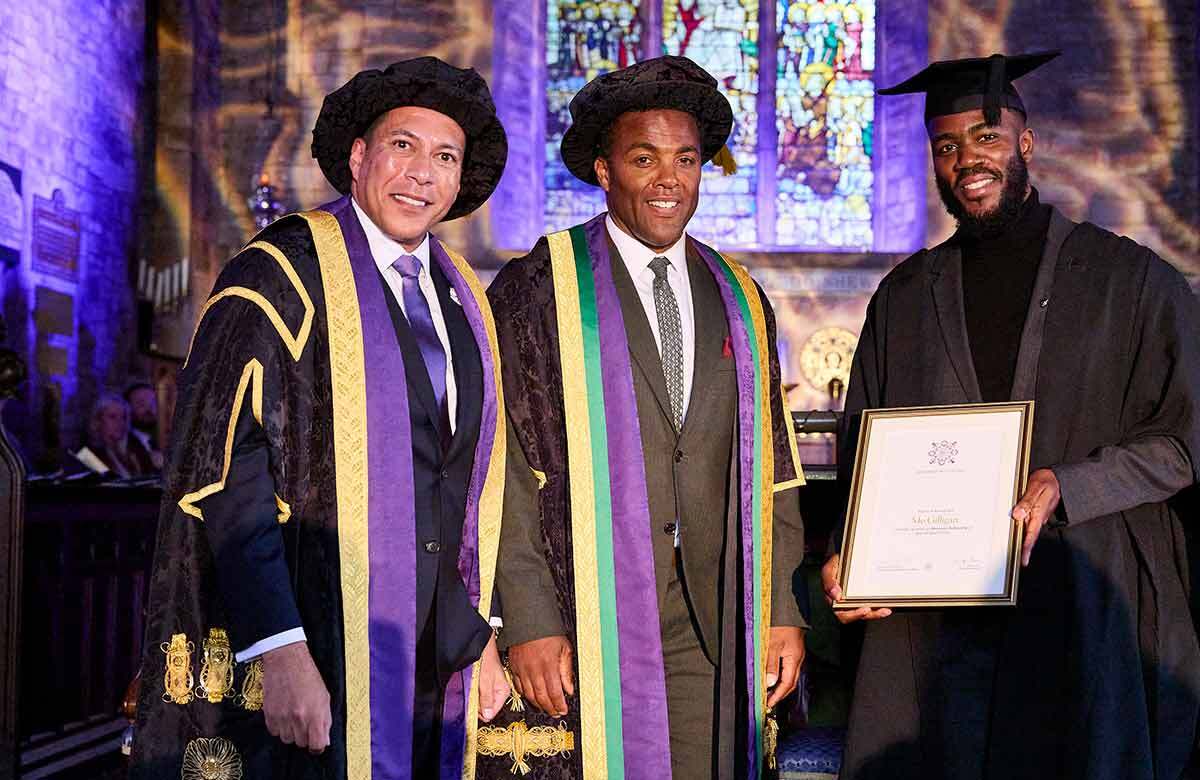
{"type": "Point", "coordinates": [416, 309]}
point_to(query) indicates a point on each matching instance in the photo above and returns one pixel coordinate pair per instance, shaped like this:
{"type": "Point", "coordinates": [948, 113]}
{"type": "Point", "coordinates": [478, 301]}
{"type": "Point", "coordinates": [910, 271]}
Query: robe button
{"type": "Point", "coordinates": [432, 547]}
{"type": "Point", "coordinates": [678, 456]}
{"type": "Point", "coordinates": [669, 529]}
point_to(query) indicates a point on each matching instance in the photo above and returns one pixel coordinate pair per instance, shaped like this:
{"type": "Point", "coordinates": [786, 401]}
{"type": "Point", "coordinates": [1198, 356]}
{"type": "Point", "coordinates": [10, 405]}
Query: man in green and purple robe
{"type": "Point", "coordinates": [322, 587]}
{"type": "Point", "coordinates": [652, 525]}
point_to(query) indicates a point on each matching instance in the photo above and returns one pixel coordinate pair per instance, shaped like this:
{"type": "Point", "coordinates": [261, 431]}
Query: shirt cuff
{"type": "Point", "coordinates": [264, 646]}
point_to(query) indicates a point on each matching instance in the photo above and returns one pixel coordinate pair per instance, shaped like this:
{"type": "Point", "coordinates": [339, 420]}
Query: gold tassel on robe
{"type": "Point", "coordinates": [724, 158]}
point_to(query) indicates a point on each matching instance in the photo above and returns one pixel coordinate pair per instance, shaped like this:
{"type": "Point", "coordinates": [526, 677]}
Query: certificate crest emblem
{"type": "Point", "coordinates": [943, 452]}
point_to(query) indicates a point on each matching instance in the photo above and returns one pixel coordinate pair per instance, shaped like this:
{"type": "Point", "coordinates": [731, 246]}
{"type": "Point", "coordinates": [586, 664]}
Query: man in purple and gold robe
{"type": "Point", "coordinates": [321, 592]}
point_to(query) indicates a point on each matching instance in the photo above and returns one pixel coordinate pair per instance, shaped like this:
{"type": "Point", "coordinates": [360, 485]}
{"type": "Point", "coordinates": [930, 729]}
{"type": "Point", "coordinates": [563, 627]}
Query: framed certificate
{"type": "Point", "coordinates": [928, 523]}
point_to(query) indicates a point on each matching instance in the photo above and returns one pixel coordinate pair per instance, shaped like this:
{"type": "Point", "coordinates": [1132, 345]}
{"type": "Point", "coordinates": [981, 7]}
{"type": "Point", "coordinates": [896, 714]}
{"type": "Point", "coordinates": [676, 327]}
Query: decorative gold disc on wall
{"type": "Point", "coordinates": [826, 356]}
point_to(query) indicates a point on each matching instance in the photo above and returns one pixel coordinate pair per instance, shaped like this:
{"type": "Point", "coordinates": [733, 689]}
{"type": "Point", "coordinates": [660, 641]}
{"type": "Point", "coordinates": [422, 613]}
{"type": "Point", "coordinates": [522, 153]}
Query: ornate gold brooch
{"type": "Point", "coordinates": [252, 692]}
{"type": "Point", "coordinates": [177, 677]}
{"type": "Point", "coordinates": [211, 759]}
{"type": "Point", "coordinates": [216, 671]}
{"type": "Point", "coordinates": [520, 742]}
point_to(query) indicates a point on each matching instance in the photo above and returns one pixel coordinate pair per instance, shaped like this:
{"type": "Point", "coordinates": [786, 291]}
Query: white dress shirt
{"type": "Point", "coordinates": [637, 257]}
{"type": "Point", "coordinates": [384, 251]}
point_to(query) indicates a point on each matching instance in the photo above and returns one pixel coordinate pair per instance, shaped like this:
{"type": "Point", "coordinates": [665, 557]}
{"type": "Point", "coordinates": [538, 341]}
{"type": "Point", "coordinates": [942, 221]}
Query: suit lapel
{"type": "Point", "coordinates": [637, 329]}
{"type": "Point", "coordinates": [947, 291]}
{"type": "Point", "coordinates": [711, 329]}
{"type": "Point", "coordinates": [468, 370]}
{"type": "Point", "coordinates": [1025, 376]}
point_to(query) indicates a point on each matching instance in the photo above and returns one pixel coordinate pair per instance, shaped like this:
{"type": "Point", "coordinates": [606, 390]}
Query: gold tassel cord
{"type": "Point", "coordinates": [516, 702]}
{"type": "Point", "coordinates": [216, 670]}
{"type": "Point", "coordinates": [177, 676]}
{"type": "Point", "coordinates": [724, 159]}
{"type": "Point", "coordinates": [519, 742]}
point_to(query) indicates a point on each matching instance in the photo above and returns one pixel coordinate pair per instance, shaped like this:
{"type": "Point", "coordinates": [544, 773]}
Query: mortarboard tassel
{"type": "Point", "coordinates": [724, 158]}
{"type": "Point", "coordinates": [996, 79]}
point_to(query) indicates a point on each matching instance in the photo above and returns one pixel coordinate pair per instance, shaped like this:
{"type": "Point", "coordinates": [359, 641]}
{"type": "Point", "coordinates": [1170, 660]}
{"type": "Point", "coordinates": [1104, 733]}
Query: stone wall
{"type": "Point", "coordinates": [71, 78]}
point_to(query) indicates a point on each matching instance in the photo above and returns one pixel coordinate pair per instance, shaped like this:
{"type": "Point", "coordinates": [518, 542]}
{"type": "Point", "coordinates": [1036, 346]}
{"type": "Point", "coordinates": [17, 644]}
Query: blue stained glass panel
{"type": "Point", "coordinates": [584, 38]}
{"type": "Point", "coordinates": [722, 37]}
{"type": "Point", "coordinates": [825, 118]}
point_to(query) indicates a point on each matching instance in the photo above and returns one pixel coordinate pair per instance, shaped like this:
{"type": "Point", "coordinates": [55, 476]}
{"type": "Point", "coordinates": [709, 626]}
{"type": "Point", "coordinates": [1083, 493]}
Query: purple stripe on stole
{"type": "Point", "coordinates": [392, 534]}
{"type": "Point", "coordinates": [643, 684]}
{"type": "Point", "coordinates": [454, 710]}
{"type": "Point", "coordinates": [744, 363]}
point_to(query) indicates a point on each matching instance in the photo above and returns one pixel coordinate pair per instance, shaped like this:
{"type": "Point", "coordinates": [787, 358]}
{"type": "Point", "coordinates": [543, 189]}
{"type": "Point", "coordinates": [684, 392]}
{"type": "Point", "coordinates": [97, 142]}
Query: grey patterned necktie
{"type": "Point", "coordinates": [670, 332]}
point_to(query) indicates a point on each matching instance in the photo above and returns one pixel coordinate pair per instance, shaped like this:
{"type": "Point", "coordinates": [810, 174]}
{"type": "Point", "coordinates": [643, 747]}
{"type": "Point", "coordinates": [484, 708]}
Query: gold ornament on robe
{"type": "Point", "coordinates": [252, 692]}
{"type": "Point", "coordinates": [211, 759]}
{"type": "Point", "coordinates": [177, 677]}
{"type": "Point", "coordinates": [770, 739]}
{"type": "Point", "coordinates": [216, 670]}
{"type": "Point", "coordinates": [519, 742]}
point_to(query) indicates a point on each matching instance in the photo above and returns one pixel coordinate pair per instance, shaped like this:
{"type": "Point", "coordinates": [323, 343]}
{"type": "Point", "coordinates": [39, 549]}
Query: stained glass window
{"type": "Point", "coordinates": [824, 118]}
{"type": "Point", "coordinates": [805, 178]}
{"type": "Point", "coordinates": [583, 40]}
{"type": "Point", "coordinates": [721, 36]}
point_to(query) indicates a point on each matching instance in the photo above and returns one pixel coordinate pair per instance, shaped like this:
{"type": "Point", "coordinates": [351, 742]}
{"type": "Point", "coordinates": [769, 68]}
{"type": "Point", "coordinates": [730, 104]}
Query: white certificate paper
{"type": "Point", "coordinates": [929, 521]}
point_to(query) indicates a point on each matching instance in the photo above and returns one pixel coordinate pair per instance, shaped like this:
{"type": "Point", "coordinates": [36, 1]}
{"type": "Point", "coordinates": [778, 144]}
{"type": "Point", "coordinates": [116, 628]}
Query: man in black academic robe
{"type": "Point", "coordinates": [316, 592]}
{"type": "Point", "coordinates": [1095, 674]}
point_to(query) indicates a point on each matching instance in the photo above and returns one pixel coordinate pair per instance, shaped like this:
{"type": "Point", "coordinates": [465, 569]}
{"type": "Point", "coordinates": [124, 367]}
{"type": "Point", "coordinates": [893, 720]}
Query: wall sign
{"type": "Point", "coordinates": [55, 236]}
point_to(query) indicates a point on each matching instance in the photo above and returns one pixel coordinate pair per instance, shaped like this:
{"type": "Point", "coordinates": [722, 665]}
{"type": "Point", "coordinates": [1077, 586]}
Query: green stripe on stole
{"type": "Point", "coordinates": [598, 435]}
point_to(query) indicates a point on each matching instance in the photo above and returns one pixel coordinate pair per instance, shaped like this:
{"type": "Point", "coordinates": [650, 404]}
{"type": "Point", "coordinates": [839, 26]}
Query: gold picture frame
{"type": "Point", "coordinates": [1015, 475]}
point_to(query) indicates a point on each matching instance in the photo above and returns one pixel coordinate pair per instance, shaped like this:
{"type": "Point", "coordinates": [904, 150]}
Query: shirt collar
{"type": "Point", "coordinates": [637, 256]}
{"type": "Point", "coordinates": [386, 250]}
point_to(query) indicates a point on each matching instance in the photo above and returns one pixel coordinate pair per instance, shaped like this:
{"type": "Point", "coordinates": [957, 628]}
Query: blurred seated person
{"type": "Point", "coordinates": [110, 447]}
{"type": "Point", "coordinates": [143, 431]}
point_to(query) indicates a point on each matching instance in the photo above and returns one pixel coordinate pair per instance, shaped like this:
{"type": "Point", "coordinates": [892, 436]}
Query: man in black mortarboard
{"type": "Point", "coordinates": [320, 596]}
{"type": "Point", "coordinates": [1095, 674]}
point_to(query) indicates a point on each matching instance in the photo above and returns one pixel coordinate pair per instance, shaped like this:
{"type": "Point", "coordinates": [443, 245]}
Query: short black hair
{"type": "Point", "coordinates": [133, 388]}
{"type": "Point", "coordinates": [604, 141]}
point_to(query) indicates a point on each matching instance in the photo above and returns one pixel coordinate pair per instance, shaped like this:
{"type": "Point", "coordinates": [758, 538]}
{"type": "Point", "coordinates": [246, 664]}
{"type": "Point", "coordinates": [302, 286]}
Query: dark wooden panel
{"type": "Point", "coordinates": [87, 554]}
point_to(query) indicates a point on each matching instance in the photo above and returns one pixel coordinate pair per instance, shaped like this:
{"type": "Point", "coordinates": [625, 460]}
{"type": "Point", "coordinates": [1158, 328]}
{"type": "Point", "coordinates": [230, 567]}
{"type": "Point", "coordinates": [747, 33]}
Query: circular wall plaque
{"type": "Point", "coordinates": [826, 356]}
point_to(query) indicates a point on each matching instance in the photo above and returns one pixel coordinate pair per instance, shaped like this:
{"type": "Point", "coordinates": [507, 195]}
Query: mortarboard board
{"type": "Point", "coordinates": [953, 86]}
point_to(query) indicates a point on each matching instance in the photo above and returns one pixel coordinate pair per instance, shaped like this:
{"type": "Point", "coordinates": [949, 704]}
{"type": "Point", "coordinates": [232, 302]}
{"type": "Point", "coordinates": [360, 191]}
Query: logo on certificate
{"type": "Point", "coordinates": [942, 453]}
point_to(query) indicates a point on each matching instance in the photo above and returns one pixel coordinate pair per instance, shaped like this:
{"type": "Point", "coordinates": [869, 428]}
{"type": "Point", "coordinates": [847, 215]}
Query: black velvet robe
{"type": "Point", "coordinates": [1095, 675]}
{"type": "Point", "coordinates": [297, 422]}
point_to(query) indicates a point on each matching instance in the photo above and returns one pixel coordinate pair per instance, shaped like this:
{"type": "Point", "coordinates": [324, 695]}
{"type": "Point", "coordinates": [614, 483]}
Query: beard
{"type": "Point", "coordinates": [990, 223]}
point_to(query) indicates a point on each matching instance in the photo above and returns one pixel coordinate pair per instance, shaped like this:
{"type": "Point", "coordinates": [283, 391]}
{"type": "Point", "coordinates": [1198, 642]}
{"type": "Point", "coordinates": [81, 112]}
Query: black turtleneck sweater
{"type": "Point", "coordinates": [999, 273]}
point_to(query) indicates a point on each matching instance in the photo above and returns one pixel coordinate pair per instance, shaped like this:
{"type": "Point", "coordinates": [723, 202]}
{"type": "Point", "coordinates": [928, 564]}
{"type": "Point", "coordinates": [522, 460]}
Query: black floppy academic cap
{"type": "Point", "coordinates": [663, 82]}
{"type": "Point", "coordinates": [954, 86]}
{"type": "Point", "coordinates": [425, 82]}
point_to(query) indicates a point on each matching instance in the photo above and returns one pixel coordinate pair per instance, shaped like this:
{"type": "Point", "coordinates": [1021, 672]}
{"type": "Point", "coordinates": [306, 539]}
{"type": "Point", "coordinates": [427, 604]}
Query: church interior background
{"type": "Point", "coordinates": [143, 142]}
{"type": "Point", "coordinates": [135, 137]}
